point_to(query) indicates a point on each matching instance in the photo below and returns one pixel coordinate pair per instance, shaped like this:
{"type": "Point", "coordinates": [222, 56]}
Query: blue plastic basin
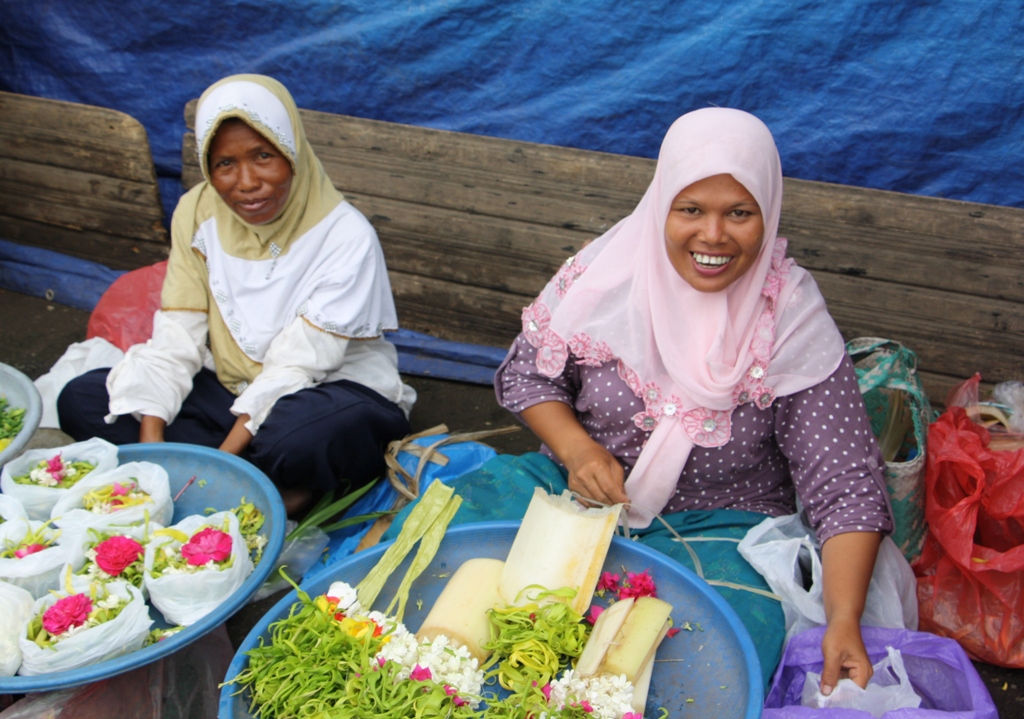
{"type": "Point", "coordinates": [715, 666]}
{"type": "Point", "coordinates": [20, 393]}
{"type": "Point", "coordinates": [228, 479]}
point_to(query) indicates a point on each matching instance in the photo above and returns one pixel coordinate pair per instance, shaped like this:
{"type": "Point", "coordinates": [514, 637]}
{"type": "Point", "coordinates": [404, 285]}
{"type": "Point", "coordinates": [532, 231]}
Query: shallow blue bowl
{"type": "Point", "coordinates": [228, 479]}
{"type": "Point", "coordinates": [715, 666]}
{"type": "Point", "coordinates": [20, 393]}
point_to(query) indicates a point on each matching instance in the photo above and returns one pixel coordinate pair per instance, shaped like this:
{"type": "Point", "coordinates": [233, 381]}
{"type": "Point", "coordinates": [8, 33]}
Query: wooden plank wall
{"type": "Point", "coordinates": [473, 227]}
{"type": "Point", "coordinates": [80, 180]}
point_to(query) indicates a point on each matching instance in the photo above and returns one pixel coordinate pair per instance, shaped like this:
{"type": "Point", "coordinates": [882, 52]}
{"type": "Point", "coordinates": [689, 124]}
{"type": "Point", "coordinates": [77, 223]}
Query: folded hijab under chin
{"type": "Point", "coordinates": [691, 356]}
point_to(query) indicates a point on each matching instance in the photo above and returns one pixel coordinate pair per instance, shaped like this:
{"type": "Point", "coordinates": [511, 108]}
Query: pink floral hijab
{"type": "Point", "coordinates": [692, 357]}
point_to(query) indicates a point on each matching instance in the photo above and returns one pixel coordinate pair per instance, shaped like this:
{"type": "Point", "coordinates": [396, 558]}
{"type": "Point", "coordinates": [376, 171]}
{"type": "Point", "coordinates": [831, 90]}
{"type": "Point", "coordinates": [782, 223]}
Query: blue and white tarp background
{"type": "Point", "coordinates": [919, 97]}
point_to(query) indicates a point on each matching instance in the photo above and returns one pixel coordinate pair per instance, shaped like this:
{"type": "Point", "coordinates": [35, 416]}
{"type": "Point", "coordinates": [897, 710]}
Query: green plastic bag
{"type": "Point", "coordinates": [900, 414]}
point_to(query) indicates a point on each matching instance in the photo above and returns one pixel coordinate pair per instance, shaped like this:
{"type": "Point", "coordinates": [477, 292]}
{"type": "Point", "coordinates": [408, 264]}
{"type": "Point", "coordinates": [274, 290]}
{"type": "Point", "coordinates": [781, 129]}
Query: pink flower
{"type": "Point", "coordinates": [55, 467]}
{"type": "Point", "coordinates": [632, 715]}
{"type": "Point", "coordinates": [546, 691]}
{"type": "Point", "coordinates": [381, 661]}
{"type": "Point", "coordinates": [114, 555]}
{"type": "Point", "coordinates": [638, 585]}
{"type": "Point", "coordinates": [207, 545]}
{"type": "Point", "coordinates": [608, 583]}
{"type": "Point", "coordinates": [706, 427]}
{"type": "Point", "coordinates": [453, 692]}
{"type": "Point", "coordinates": [120, 490]}
{"type": "Point", "coordinates": [420, 674]}
{"type": "Point", "coordinates": [585, 705]}
{"type": "Point", "coordinates": [71, 611]}
{"type": "Point", "coordinates": [28, 549]}
{"type": "Point", "coordinates": [594, 613]}
{"type": "Point", "coordinates": [672, 632]}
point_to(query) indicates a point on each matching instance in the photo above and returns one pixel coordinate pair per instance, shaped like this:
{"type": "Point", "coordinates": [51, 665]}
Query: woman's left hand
{"type": "Point", "coordinates": [238, 438]}
{"type": "Point", "coordinates": [845, 655]}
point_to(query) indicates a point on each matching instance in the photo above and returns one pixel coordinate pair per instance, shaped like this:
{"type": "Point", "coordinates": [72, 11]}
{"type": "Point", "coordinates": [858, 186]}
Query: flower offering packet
{"type": "Point", "coordinates": [128, 494]}
{"type": "Point", "coordinates": [86, 623]}
{"type": "Point", "coordinates": [39, 496]}
{"type": "Point", "coordinates": [11, 508]}
{"type": "Point", "coordinates": [193, 566]}
{"type": "Point", "coordinates": [16, 608]}
{"type": "Point", "coordinates": [32, 555]}
{"type": "Point", "coordinates": [115, 553]}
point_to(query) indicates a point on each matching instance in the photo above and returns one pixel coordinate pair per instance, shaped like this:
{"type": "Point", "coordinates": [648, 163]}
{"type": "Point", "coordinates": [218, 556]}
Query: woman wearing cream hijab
{"type": "Point", "coordinates": [268, 343]}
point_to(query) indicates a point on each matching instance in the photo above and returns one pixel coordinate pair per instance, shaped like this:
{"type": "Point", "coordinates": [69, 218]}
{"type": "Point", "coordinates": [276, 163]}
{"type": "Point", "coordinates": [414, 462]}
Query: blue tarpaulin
{"type": "Point", "coordinates": [916, 97]}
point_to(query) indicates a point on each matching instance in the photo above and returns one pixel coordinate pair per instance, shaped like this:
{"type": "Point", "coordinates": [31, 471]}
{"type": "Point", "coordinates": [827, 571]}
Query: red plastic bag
{"type": "Point", "coordinates": [971, 573]}
{"type": "Point", "coordinates": [124, 314]}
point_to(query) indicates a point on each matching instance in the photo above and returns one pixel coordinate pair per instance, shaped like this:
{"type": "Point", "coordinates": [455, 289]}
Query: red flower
{"type": "Point", "coordinates": [207, 545]}
{"type": "Point", "coordinates": [638, 585]}
{"type": "Point", "coordinates": [594, 613]}
{"type": "Point", "coordinates": [28, 549]}
{"type": "Point", "coordinates": [453, 692]}
{"type": "Point", "coordinates": [420, 674]}
{"type": "Point", "coordinates": [71, 611]}
{"type": "Point", "coordinates": [672, 632]}
{"type": "Point", "coordinates": [114, 555]}
{"type": "Point", "coordinates": [546, 690]}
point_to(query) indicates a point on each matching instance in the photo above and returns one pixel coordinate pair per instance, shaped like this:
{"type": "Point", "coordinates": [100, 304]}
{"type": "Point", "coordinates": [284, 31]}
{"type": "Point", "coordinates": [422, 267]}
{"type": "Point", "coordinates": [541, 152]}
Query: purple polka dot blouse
{"type": "Point", "coordinates": [815, 445]}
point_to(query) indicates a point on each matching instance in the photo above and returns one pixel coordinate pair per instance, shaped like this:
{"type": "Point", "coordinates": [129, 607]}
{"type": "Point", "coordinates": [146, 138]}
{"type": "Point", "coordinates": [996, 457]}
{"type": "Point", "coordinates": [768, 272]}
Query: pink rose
{"type": "Point", "coordinates": [71, 611]}
{"type": "Point", "coordinates": [638, 585]}
{"type": "Point", "coordinates": [114, 555]}
{"type": "Point", "coordinates": [28, 549]}
{"type": "Point", "coordinates": [207, 545]}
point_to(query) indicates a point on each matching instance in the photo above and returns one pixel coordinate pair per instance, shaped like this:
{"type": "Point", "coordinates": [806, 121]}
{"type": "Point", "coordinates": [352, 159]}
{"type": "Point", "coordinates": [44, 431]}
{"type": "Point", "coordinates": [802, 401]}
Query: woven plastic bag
{"type": "Point", "coordinates": [39, 501]}
{"type": "Point", "coordinates": [892, 391]}
{"type": "Point", "coordinates": [938, 670]}
{"type": "Point", "coordinates": [970, 577]}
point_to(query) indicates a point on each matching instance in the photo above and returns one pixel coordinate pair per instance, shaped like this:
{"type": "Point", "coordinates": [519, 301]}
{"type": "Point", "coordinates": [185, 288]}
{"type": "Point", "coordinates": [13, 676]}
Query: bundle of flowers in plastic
{"type": "Point", "coordinates": [117, 554]}
{"type": "Point", "coordinates": [191, 567]}
{"type": "Point", "coordinates": [56, 472]}
{"type": "Point", "coordinates": [86, 623]}
{"type": "Point", "coordinates": [31, 555]}
{"type": "Point", "coordinates": [130, 494]}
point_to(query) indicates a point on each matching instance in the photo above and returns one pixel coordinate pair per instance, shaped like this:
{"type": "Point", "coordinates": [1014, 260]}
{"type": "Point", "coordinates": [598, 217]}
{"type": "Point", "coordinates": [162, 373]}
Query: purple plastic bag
{"type": "Point", "coordinates": [939, 670]}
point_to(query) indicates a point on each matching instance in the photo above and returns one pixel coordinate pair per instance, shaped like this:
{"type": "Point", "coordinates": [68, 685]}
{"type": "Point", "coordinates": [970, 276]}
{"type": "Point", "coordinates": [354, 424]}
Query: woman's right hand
{"type": "Point", "coordinates": [594, 473]}
{"type": "Point", "coordinates": [151, 429]}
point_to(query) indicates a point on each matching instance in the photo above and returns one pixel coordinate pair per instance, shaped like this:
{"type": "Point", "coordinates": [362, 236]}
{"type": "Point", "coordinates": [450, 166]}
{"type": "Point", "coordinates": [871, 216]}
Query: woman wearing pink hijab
{"type": "Point", "coordinates": [681, 364]}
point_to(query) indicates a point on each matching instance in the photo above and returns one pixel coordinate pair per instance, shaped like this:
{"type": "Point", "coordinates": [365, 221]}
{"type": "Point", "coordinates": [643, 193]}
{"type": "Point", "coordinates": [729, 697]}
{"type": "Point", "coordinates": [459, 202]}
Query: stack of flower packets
{"type": "Point", "coordinates": [40, 477]}
{"type": "Point", "coordinates": [129, 494]}
{"type": "Point", "coordinates": [86, 623]}
{"type": "Point", "coordinates": [193, 566]}
{"type": "Point", "coordinates": [31, 555]}
{"type": "Point", "coordinates": [16, 609]}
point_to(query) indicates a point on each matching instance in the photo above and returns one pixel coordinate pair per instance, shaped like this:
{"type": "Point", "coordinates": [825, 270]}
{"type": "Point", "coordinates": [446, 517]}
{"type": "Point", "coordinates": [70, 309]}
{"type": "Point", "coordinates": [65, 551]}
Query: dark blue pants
{"type": "Point", "coordinates": [330, 436]}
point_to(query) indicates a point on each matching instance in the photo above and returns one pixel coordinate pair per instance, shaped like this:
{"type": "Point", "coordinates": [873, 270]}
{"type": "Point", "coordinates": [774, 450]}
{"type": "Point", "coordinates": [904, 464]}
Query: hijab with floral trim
{"type": "Point", "coordinates": [691, 357]}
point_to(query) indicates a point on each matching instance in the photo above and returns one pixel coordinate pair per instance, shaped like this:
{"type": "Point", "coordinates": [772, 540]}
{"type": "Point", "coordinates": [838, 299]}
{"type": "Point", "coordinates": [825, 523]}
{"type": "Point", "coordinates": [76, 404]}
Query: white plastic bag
{"type": "Point", "coordinates": [70, 515]}
{"type": "Point", "coordinates": [36, 573]}
{"type": "Point", "coordinates": [125, 633]}
{"type": "Point", "coordinates": [11, 508]}
{"type": "Point", "coordinates": [16, 609]}
{"type": "Point", "coordinates": [776, 548]}
{"type": "Point", "coordinates": [78, 358]}
{"type": "Point", "coordinates": [186, 598]}
{"type": "Point", "coordinates": [39, 501]}
{"type": "Point", "coordinates": [888, 689]}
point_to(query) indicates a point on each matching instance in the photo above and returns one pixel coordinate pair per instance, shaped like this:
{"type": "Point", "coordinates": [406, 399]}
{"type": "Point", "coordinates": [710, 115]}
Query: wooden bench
{"type": "Point", "coordinates": [80, 180]}
{"type": "Point", "coordinates": [472, 228]}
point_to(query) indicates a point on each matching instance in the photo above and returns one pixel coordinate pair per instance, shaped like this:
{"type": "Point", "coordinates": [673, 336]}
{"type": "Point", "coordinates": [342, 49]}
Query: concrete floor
{"type": "Point", "coordinates": [34, 333]}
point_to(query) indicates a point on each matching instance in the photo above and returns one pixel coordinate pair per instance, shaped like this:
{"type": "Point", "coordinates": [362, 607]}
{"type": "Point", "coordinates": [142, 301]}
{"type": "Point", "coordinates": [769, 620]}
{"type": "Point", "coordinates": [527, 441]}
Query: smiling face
{"type": "Point", "coordinates": [249, 173]}
{"type": "Point", "coordinates": [713, 232]}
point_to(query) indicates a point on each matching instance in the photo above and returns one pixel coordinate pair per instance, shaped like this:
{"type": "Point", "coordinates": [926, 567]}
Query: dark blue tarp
{"type": "Point", "coordinates": [919, 97]}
